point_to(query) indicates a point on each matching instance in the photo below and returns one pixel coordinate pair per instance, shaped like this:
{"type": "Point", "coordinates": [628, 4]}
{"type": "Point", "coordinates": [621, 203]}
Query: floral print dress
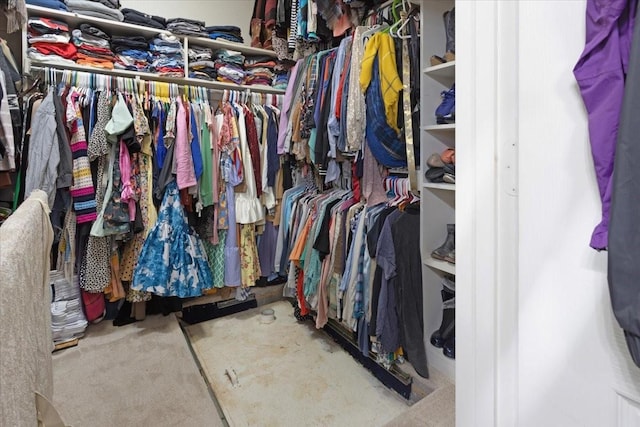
{"type": "Point", "coordinates": [173, 261]}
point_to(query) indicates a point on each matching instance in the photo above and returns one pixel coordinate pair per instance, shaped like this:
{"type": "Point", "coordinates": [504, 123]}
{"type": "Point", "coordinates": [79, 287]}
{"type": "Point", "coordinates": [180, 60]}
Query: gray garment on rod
{"type": "Point", "coordinates": [624, 225]}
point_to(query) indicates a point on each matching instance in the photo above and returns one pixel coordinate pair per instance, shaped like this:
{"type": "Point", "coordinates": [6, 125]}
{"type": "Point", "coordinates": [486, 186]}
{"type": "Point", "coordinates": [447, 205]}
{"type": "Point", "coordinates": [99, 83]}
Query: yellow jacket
{"type": "Point", "coordinates": [381, 44]}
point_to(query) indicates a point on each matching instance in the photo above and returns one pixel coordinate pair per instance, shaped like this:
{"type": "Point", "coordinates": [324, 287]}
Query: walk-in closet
{"type": "Point", "coordinates": [246, 213]}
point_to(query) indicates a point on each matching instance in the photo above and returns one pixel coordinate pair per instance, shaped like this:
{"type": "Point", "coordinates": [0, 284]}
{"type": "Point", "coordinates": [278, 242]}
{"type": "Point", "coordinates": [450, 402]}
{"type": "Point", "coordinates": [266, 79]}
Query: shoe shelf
{"type": "Point", "coordinates": [438, 200]}
{"type": "Point", "coordinates": [441, 266]}
{"type": "Point", "coordinates": [439, 186]}
{"type": "Point", "coordinates": [443, 73]}
{"type": "Point", "coordinates": [439, 128]}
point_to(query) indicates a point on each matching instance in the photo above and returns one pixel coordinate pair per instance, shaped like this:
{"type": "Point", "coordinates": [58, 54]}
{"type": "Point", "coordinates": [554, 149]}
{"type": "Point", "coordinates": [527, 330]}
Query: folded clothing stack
{"type": "Point", "coordinates": [105, 9]}
{"type": "Point", "coordinates": [132, 53]}
{"type": "Point", "coordinates": [49, 4]}
{"type": "Point", "coordinates": [49, 40]}
{"type": "Point", "coordinates": [229, 33]}
{"type": "Point", "coordinates": [94, 47]}
{"type": "Point", "coordinates": [229, 65]}
{"type": "Point", "coordinates": [133, 16]}
{"type": "Point", "coordinates": [282, 71]}
{"type": "Point", "coordinates": [187, 27]}
{"type": "Point", "coordinates": [197, 53]}
{"type": "Point", "coordinates": [166, 55]}
{"type": "Point", "coordinates": [201, 65]}
{"type": "Point", "coordinates": [259, 70]}
{"type": "Point", "coordinates": [67, 318]}
{"type": "Point", "coordinates": [280, 81]}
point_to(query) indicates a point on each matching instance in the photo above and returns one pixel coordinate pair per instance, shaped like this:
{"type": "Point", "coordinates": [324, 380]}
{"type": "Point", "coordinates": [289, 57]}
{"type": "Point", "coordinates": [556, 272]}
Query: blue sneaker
{"type": "Point", "coordinates": [446, 111]}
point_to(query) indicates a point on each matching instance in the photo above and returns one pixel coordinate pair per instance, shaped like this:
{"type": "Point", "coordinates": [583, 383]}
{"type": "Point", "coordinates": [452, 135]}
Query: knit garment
{"type": "Point", "coordinates": [82, 191]}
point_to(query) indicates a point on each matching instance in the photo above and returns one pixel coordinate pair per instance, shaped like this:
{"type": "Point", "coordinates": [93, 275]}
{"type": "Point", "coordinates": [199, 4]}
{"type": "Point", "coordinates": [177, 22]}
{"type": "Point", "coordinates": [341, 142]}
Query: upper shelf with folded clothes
{"type": "Point", "coordinates": [73, 20]}
{"type": "Point", "coordinates": [116, 27]}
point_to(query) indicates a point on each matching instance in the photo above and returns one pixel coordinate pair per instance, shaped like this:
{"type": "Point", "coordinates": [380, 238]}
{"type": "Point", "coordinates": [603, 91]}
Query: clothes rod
{"type": "Point", "coordinates": [113, 76]}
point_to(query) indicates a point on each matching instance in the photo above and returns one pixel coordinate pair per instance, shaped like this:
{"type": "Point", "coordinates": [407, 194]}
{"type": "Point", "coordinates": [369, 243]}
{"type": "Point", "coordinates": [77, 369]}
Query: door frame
{"type": "Point", "coordinates": [487, 213]}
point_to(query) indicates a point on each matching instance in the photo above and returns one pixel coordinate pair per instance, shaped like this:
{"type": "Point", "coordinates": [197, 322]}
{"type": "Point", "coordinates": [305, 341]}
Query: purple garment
{"type": "Point", "coordinates": [600, 73]}
{"type": "Point", "coordinates": [286, 107]}
{"type": "Point", "coordinates": [232, 274]}
{"type": "Point", "coordinates": [267, 248]}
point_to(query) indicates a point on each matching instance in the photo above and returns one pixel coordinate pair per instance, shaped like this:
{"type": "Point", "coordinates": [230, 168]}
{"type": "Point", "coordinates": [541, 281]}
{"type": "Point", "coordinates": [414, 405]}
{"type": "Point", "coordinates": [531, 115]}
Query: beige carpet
{"type": "Point", "coordinates": [288, 374]}
{"type": "Point", "coordinates": [141, 374]}
{"type": "Point", "coordinates": [435, 410]}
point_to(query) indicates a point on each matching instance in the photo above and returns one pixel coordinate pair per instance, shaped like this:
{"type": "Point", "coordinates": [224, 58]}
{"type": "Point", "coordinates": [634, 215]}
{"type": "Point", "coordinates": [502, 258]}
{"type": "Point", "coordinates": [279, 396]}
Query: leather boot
{"type": "Point", "coordinates": [449, 348]}
{"type": "Point", "coordinates": [450, 32]}
{"type": "Point", "coordinates": [448, 246]}
{"type": "Point", "coordinates": [447, 327]}
{"type": "Point", "coordinates": [256, 30]}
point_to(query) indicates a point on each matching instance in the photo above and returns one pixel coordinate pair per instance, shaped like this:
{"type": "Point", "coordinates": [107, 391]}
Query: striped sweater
{"type": "Point", "coordinates": [82, 190]}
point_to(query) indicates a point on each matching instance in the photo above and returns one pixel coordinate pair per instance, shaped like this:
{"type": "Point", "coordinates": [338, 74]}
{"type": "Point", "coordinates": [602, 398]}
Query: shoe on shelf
{"type": "Point", "coordinates": [435, 161]}
{"type": "Point", "coordinates": [449, 347]}
{"type": "Point", "coordinates": [448, 246]}
{"type": "Point", "coordinates": [449, 20]}
{"type": "Point", "coordinates": [435, 175]}
{"type": "Point", "coordinates": [448, 156]}
{"type": "Point", "coordinates": [447, 326]}
{"type": "Point", "coordinates": [436, 60]}
{"type": "Point", "coordinates": [446, 111]}
{"type": "Point", "coordinates": [448, 178]}
{"type": "Point", "coordinates": [451, 256]}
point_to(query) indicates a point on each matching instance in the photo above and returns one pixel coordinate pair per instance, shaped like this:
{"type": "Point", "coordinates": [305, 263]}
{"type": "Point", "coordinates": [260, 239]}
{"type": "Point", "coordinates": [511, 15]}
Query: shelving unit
{"type": "Point", "coordinates": [439, 266]}
{"type": "Point", "coordinates": [438, 200]}
{"type": "Point", "coordinates": [73, 20]}
{"type": "Point", "coordinates": [440, 186]}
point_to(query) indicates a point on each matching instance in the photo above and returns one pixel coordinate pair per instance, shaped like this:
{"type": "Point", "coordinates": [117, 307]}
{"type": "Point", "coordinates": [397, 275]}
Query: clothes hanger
{"type": "Point", "coordinates": [364, 37]}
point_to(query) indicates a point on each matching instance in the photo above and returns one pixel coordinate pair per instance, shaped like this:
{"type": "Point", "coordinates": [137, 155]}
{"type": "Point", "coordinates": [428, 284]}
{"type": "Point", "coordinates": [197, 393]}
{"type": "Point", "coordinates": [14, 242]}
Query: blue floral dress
{"type": "Point", "coordinates": [172, 261]}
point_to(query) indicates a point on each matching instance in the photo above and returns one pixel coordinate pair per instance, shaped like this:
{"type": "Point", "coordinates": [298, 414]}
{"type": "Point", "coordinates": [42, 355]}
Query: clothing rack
{"type": "Point", "coordinates": [148, 77]}
{"type": "Point", "coordinates": [164, 87]}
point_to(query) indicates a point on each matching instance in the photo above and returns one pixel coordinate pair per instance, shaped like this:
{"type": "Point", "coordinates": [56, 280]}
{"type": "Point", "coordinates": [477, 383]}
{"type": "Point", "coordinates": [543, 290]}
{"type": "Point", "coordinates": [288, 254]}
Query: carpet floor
{"type": "Point", "coordinates": [287, 374]}
{"type": "Point", "coordinates": [141, 374]}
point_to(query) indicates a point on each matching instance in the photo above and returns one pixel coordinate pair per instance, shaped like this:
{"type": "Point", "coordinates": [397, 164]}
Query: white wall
{"type": "Point", "coordinates": [573, 363]}
{"type": "Point", "coordinates": [213, 12]}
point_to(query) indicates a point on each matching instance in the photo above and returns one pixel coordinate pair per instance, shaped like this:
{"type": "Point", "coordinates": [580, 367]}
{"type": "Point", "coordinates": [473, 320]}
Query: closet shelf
{"type": "Point", "coordinates": [443, 73]}
{"type": "Point", "coordinates": [181, 81]}
{"type": "Point", "coordinates": [74, 20]}
{"type": "Point", "coordinates": [221, 44]}
{"type": "Point", "coordinates": [439, 265]}
{"type": "Point", "coordinates": [122, 28]}
{"type": "Point", "coordinates": [450, 128]}
{"type": "Point", "coordinates": [440, 186]}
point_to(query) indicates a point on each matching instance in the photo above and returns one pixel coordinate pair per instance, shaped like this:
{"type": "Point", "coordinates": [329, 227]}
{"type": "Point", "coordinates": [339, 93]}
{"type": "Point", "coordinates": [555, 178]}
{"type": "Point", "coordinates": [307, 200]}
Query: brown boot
{"type": "Point", "coordinates": [256, 29]}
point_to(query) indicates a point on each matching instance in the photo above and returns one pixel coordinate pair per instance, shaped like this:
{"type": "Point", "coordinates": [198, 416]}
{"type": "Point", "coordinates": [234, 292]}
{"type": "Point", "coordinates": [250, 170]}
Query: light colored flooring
{"type": "Point", "coordinates": [287, 374]}
{"type": "Point", "coordinates": [141, 374]}
{"type": "Point", "coordinates": [144, 374]}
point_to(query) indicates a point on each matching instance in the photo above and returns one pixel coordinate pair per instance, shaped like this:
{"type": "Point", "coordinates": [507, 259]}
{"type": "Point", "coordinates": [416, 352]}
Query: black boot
{"type": "Point", "coordinates": [448, 246]}
{"type": "Point", "coordinates": [447, 327]}
{"type": "Point", "coordinates": [449, 348]}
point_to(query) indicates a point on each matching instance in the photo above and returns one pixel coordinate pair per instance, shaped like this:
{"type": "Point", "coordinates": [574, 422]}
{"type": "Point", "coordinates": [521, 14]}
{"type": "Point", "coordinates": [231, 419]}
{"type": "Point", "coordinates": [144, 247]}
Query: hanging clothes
{"type": "Point", "coordinates": [624, 229]}
{"type": "Point", "coordinates": [601, 74]}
